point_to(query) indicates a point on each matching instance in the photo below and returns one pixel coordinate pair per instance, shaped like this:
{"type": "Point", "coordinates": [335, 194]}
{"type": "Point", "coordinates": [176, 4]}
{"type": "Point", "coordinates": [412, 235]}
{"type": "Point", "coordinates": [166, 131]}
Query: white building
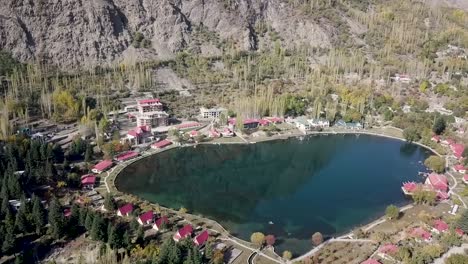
{"type": "Point", "coordinates": [320, 122]}
{"type": "Point", "coordinates": [212, 112]}
{"type": "Point", "coordinates": [302, 124]}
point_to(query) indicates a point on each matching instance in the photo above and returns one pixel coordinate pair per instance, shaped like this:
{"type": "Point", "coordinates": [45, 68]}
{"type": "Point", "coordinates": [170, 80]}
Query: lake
{"type": "Point", "coordinates": [290, 188]}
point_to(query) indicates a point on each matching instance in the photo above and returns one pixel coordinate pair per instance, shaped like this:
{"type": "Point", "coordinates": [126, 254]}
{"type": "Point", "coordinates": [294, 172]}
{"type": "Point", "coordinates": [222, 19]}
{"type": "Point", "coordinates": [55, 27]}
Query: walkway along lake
{"type": "Point", "coordinates": [290, 188]}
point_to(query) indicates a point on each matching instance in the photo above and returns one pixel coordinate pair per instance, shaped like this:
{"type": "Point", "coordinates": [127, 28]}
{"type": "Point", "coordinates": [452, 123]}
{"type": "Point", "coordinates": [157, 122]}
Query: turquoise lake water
{"type": "Point", "coordinates": [289, 188]}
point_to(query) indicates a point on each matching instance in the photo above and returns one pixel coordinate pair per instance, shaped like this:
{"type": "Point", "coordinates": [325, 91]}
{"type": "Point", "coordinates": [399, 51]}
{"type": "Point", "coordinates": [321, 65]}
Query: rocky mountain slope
{"type": "Point", "coordinates": [80, 33]}
{"type": "Point", "coordinates": [86, 33]}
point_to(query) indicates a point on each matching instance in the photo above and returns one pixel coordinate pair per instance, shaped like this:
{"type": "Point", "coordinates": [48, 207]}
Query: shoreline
{"type": "Point", "coordinates": [367, 226]}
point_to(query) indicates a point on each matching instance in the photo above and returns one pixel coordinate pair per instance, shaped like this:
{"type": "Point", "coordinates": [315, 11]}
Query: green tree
{"type": "Point", "coordinates": [457, 259]}
{"type": "Point", "coordinates": [98, 229]}
{"type": "Point", "coordinates": [462, 222]}
{"type": "Point", "coordinates": [435, 163]}
{"type": "Point", "coordinates": [439, 125]}
{"type": "Point", "coordinates": [38, 215]}
{"type": "Point", "coordinates": [22, 223]}
{"type": "Point", "coordinates": [89, 221]}
{"type": "Point", "coordinates": [424, 85]}
{"type": "Point", "coordinates": [317, 238]}
{"type": "Point", "coordinates": [287, 255]}
{"type": "Point", "coordinates": [257, 238]}
{"type": "Point", "coordinates": [392, 212]}
{"type": "Point", "coordinates": [9, 239]}
{"type": "Point", "coordinates": [411, 134]}
{"type": "Point", "coordinates": [109, 203]}
{"type": "Point", "coordinates": [89, 153]}
{"type": "Point", "coordinates": [56, 219]}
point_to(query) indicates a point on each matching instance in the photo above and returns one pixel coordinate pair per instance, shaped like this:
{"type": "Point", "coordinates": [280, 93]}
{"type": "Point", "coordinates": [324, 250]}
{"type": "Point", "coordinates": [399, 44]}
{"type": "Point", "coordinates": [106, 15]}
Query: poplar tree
{"type": "Point", "coordinates": [22, 223]}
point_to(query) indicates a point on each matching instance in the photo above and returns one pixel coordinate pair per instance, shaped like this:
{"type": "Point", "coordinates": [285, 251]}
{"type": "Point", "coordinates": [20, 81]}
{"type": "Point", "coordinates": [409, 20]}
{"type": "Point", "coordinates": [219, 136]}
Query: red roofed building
{"type": "Point", "coordinates": [388, 249]}
{"type": "Point", "coordinates": [161, 144]}
{"type": "Point", "coordinates": [370, 261]}
{"type": "Point", "coordinates": [249, 123]}
{"type": "Point", "coordinates": [465, 179]}
{"type": "Point", "coordinates": [139, 135]}
{"type": "Point", "coordinates": [442, 195]}
{"type": "Point", "coordinates": [437, 182]}
{"type": "Point", "coordinates": [440, 226]}
{"type": "Point", "coordinates": [188, 125]}
{"type": "Point", "coordinates": [160, 223]}
{"type": "Point", "coordinates": [447, 141]}
{"type": "Point", "coordinates": [409, 187]}
{"type": "Point", "coordinates": [148, 105]}
{"type": "Point", "coordinates": [275, 120]}
{"type": "Point", "coordinates": [420, 233]}
{"type": "Point", "coordinates": [125, 210]}
{"type": "Point", "coordinates": [194, 133]}
{"type": "Point", "coordinates": [146, 218]}
{"type": "Point", "coordinates": [183, 233]}
{"type": "Point", "coordinates": [460, 168]}
{"type": "Point", "coordinates": [435, 138]}
{"type": "Point", "coordinates": [227, 132]}
{"type": "Point", "coordinates": [102, 166]}
{"type": "Point", "coordinates": [87, 175]}
{"type": "Point", "coordinates": [459, 231]}
{"type": "Point", "coordinates": [88, 182]}
{"type": "Point", "coordinates": [201, 238]}
{"type": "Point", "coordinates": [214, 133]}
{"type": "Point", "coordinates": [457, 150]}
{"type": "Point", "coordinates": [264, 122]}
{"type": "Point", "coordinates": [126, 156]}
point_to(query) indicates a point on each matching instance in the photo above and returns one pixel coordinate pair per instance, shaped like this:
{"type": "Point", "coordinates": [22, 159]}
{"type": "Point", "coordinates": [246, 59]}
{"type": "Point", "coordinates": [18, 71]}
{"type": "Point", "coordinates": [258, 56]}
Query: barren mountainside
{"type": "Point", "coordinates": [83, 32]}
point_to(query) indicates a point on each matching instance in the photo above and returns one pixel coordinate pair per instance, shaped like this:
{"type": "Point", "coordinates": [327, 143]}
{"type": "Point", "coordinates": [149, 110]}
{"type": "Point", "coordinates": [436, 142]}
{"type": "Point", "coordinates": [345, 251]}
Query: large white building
{"type": "Point", "coordinates": [212, 112]}
{"type": "Point", "coordinates": [150, 113]}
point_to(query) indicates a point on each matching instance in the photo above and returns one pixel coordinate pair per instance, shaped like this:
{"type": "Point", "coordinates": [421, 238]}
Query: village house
{"type": "Point", "coordinates": [348, 125]}
{"type": "Point", "coordinates": [403, 78]}
{"type": "Point", "coordinates": [440, 226]}
{"type": "Point", "coordinates": [227, 132]}
{"type": "Point", "coordinates": [249, 123]}
{"type": "Point", "coordinates": [457, 150]}
{"type": "Point", "coordinates": [409, 187]}
{"type": "Point", "coordinates": [125, 210]}
{"type": "Point", "coordinates": [161, 144]}
{"type": "Point", "coordinates": [435, 138]}
{"type": "Point", "coordinates": [201, 238]}
{"type": "Point", "coordinates": [275, 120]}
{"type": "Point", "coordinates": [88, 181]}
{"type": "Point", "coordinates": [447, 141]}
{"type": "Point", "coordinates": [302, 124]}
{"type": "Point", "coordinates": [161, 223]}
{"type": "Point", "coordinates": [437, 182]}
{"type": "Point", "coordinates": [183, 233]}
{"type": "Point", "coordinates": [388, 249]}
{"type": "Point", "coordinates": [128, 155]}
{"type": "Point", "coordinates": [371, 261]}
{"type": "Point", "coordinates": [465, 179]}
{"type": "Point", "coordinates": [214, 133]}
{"type": "Point", "coordinates": [146, 218]}
{"type": "Point", "coordinates": [460, 168]}
{"type": "Point", "coordinates": [421, 235]}
{"type": "Point", "coordinates": [212, 113]}
{"type": "Point", "coordinates": [187, 126]}
{"type": "Point", "coordinates": [319, 123]}
{"type": "Point", "coordinates": [150, 113]}
{"type": "Point", "coordinates": [139, 135]}
{"type": "Point", "coordinates": [102, 166]}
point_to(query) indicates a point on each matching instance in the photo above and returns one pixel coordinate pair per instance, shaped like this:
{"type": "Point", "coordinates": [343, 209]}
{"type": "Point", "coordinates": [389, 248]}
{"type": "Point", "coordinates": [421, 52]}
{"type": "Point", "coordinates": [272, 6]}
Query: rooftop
{"type": "Point", "coordinates": [126, 209]}
{"type": "Point", "coordinates": [103, 165]}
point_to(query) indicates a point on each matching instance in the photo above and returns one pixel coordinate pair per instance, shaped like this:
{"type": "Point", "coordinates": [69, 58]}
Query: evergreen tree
{"type": "Point", "coordinates": [82, 218]}
{"type": "Point", "coordinates": [89, 221]}
{"type": "Point", "coordinates": [98, 229]}
{"type": "Point", "coordinates": [140, 235]}
{"type": "Point", "coordinates": [14, 187]}
{"type": "Point", "coordinates": [109, 203]}
{"type": "Point", "coordinates": [73, 221]}
{"type": "Point", "coordinates": [126, 243]}
{"type": "Point", "coordinates": [462, 222]}
{"type": "Point", "coordinates": [9, 239]}
{"type": "Point", "coordinates": [22, 223]}
{"type": "Point", "coordinates": [19, 259]}
{"type": "Point", "coordinates": [174, 255]}
{"type": "Point", "coordinates": [56, 219]}
{"type": "Point", "coordinates": [5, 206]}
{"type": "Point", "coordinates": [38, 215]}
{"type": "Point", "coordinates": [439, 125]}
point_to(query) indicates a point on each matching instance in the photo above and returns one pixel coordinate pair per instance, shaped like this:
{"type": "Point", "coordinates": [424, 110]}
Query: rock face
{"type": "Point", "coordinates": [86, 33]}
